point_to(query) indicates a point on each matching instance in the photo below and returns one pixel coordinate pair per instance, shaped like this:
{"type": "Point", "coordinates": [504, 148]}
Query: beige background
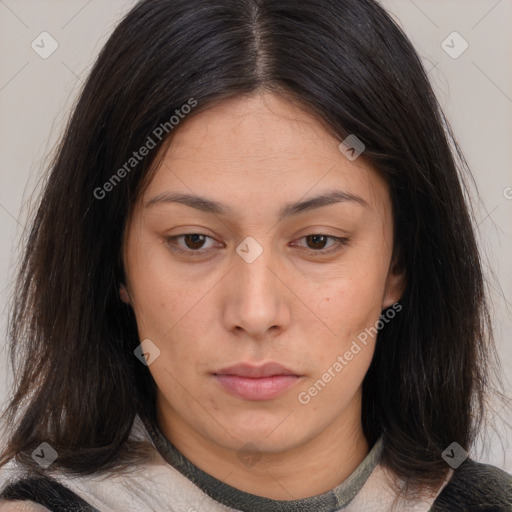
{"type": "Point", "coordinates": [475, 90]}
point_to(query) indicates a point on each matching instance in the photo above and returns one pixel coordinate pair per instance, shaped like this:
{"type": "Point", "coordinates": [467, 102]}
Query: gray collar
{"type": "Point", "coordinates": [330, 501]}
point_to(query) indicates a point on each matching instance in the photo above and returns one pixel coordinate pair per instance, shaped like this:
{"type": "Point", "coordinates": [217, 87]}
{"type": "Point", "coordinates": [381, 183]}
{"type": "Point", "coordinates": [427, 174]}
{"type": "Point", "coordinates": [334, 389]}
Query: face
{"type": "Point", "coordinates": [258, 272]}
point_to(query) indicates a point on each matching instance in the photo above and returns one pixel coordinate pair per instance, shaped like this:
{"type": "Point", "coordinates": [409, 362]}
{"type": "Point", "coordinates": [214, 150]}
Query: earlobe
{"type": "Point", "coordinates": [395, 286]}
{"type": "Point", "coordinates": [124, 295]}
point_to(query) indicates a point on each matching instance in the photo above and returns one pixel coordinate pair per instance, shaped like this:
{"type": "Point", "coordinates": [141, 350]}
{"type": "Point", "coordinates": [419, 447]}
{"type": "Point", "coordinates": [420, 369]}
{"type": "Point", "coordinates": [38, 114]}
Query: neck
{"type": "Point", "coordinates": [312, 467]}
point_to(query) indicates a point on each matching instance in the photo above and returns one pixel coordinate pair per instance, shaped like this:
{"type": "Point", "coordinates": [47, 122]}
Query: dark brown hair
{"type": "Point", "coordinates": [78, 384]}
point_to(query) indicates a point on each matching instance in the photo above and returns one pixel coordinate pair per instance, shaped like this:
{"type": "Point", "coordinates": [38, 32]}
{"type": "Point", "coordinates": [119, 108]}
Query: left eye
{"type": "Point", "coordinates": [317, 243]}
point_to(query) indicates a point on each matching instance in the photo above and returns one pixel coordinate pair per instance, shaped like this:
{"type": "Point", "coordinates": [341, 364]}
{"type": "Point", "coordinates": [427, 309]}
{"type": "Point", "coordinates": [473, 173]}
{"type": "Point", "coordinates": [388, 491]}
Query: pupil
{"type": "Point", "coordinates": [195, 239]}
{"type": "Point", "coordinates": [317, 239]}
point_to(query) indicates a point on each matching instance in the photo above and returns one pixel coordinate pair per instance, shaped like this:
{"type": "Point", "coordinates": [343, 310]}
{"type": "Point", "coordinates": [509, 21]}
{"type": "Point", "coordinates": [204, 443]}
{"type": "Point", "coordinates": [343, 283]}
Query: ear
{"type": "Point", "coordinates": [395, 284]}
{"type": "Point", "coordinates": [124, 295]}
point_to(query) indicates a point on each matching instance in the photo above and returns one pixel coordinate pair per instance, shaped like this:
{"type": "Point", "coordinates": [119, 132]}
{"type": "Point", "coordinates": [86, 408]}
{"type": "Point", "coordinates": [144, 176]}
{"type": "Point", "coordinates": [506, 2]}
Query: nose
{"type": "Point", "coordinates": [256, 298]}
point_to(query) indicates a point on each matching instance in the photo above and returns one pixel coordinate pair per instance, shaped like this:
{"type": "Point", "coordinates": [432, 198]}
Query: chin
{"type": "Point", "coordinates": [268, 436]}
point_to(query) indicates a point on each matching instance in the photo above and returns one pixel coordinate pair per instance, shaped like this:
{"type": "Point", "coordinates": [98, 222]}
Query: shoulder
{"type": "Point", "coordinates": [40, 494]}
{"type": "Point", "coordinates": [476, 486]}
{"type": "Point", "coordinates": [9, 473]}
{"type": "Point", "coordinates": [21, 506]}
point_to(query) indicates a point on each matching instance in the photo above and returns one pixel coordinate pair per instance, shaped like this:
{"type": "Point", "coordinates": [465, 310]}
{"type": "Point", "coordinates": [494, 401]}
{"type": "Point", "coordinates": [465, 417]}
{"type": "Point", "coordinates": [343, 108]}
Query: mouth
{"type": "Point", "coordinates": [256, 383]}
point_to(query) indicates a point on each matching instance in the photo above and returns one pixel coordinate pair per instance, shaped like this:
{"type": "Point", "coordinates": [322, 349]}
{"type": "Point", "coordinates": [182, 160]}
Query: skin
{"type": "Point", "coordinates": [256, 154]}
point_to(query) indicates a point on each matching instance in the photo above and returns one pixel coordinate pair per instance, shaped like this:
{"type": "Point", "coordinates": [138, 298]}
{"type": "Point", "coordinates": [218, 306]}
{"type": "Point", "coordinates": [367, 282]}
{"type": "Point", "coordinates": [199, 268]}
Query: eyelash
{"type": "Point", "coordinates": [340, 242]}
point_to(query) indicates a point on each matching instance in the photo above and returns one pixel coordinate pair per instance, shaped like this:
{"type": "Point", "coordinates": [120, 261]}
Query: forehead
{"type": "Point", "coordinates": [261, 147]}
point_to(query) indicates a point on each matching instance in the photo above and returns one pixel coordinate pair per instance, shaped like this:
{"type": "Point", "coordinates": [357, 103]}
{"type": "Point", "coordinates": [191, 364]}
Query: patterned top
{"type": "Point", "coordinates": [170, 482]}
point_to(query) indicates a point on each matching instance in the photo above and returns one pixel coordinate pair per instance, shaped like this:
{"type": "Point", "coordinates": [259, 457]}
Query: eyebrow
{"type": "Point", "coordinates": [214, 207]}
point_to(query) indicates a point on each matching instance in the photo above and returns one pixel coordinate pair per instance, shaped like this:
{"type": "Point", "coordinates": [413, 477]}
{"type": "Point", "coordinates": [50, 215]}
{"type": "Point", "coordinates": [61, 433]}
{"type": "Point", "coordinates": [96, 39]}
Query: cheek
{"type": "Point", "coordinates": [162, 296]}
{"type": "Point", "coordinates": [351, 303]}
{"type": "Point", "coordinates": [173, 313]}
{"type": "Point", "coordinates": [350, 306]}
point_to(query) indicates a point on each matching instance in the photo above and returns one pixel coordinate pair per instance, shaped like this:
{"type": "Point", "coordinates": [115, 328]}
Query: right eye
{"type": "Point", "coordinates": [193, 243]}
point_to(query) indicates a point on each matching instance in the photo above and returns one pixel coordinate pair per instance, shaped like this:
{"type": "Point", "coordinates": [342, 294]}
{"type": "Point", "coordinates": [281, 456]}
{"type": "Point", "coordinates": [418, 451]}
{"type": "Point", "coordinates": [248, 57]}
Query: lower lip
{"type": "Point", "coordinates": [263, 388]}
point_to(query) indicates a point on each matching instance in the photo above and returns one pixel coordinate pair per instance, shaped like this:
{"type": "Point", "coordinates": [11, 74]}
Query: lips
{"type": "Point", "coordinates": [256, 383]}
{"type": "Point", "coordinates": [255, 372]}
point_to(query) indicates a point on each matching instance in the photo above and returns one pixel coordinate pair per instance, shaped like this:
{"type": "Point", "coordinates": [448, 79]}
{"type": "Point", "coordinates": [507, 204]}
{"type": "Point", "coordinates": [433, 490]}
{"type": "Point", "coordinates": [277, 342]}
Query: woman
{"type": "Point", "coordinates": [252, 282]}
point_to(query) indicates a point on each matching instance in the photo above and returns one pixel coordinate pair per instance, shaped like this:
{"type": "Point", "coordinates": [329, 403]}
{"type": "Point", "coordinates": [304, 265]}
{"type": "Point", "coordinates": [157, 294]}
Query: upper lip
{"type": "Point", "coordinates": [252, 371]}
